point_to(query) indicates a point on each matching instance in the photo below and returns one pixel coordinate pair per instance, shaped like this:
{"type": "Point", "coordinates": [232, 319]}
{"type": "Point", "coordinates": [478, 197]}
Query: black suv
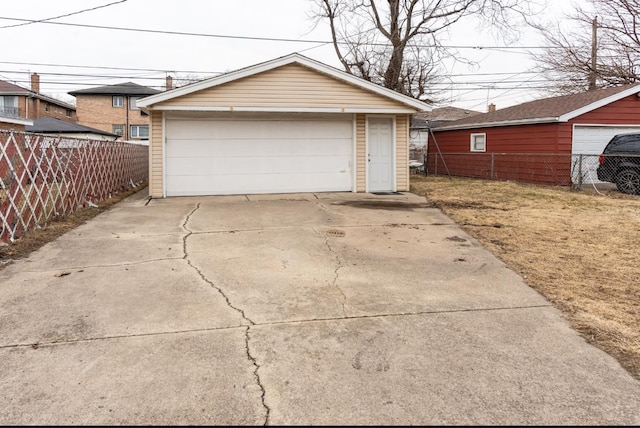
{"type": "Point", "coordinates": [620, 163]}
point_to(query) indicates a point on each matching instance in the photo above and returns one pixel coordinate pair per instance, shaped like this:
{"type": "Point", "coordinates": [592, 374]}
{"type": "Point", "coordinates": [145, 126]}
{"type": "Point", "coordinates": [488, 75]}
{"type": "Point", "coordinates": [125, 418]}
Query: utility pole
{"type": "Point", "coordinates": [593, 75]}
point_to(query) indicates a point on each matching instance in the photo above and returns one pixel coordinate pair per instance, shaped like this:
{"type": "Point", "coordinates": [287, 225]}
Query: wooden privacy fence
{"type": "Point", "coordinates": [46, 177]}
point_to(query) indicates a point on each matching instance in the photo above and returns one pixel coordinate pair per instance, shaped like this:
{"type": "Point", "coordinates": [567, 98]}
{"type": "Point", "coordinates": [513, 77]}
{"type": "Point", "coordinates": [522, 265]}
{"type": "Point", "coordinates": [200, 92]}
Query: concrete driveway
{"type": "Point", "coordinates": [311, 309]}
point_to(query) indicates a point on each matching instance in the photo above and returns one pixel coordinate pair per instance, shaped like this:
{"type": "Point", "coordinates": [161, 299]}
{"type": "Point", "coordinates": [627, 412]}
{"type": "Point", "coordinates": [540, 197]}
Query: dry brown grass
{"type": "Point", "coordinates": [580, 249]}
{"type": "Point", "coordinates": [35, 239]}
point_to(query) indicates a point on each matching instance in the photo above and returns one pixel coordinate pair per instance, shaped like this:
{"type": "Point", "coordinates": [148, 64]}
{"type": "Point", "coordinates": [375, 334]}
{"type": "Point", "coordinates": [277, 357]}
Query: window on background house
{"type": "Point", "coordinates": [69, 112]}
{"type": "Point", "coordinates": [140, 131]}
{"type": "Point", "coordinates": [117, 101]}
{"type": "Point", "coordinates": [46, 106]}
{"type": "Point", "coordinates": [9, 105]}
{"type": "Point", "coordinates": [479, 142]}
{"type": "Point", "coordinates": [118, 129]}
{"type": "Point", "coordinates": [132, 103]}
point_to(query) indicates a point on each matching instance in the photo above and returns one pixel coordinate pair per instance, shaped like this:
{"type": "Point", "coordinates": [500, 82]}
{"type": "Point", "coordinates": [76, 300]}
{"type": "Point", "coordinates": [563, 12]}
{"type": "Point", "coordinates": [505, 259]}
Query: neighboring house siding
{"type": "Point", "coordinates": [38, 108]}
{"type": "Point", "coordinates": [542, 138]}
{"type": "Point", "coordinates": [291, 85]}
{"type": "Point", "coordinates": [11, 126]}
{"type": "Point", "coordinates": [361, 152]}
{"type": "Point", "coordinates": [532, 153]}
{"type": "Point", "coordinates": [155, 155]}
{"type": "Point", "coordinates": [34, 108]}
{"type": "Point", "coordinates": [622, 112]}
{"type": "Point", "coordinates": [97, 111]}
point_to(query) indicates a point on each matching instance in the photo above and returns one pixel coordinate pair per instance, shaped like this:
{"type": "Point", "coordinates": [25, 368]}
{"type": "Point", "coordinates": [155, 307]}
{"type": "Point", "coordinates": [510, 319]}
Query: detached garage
{"type": "Point", "coordinates": [545, 137]}
{"type": "Point", "coordinates": [285, 126]}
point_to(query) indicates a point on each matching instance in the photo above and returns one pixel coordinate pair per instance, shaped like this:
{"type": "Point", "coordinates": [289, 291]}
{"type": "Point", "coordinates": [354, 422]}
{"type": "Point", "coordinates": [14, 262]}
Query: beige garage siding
{"type": "Point", "coordinates": [361, 153]}
{"type": "Point", "coordinates": [289, 86]}
{"type": "Point", "coordinates": [155, 155]}
{"type": "Point", "coordinates": [402, 153]}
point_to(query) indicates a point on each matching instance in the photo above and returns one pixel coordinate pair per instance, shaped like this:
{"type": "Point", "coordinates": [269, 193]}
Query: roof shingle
{"type": "Point", "coordinates": [543, 109]}
{"type": "Point", "coordinates": [128, 88]}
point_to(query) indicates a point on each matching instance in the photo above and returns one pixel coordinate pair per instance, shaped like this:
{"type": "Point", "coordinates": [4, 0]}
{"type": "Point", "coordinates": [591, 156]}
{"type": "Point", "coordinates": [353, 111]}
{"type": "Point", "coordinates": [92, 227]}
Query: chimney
{"type": "Point", "coordinates": [492, 107]}
{"type": "Point", "coordinates": [169, 84]}
{"type": "Point", "coordinates": [35, 83]}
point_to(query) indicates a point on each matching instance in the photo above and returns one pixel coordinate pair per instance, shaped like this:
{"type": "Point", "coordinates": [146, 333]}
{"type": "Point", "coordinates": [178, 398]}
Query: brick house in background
{"type": "Point", "coordinates": [13, 123]}
{"type": "Point", "coordinates": [112, 108]}
{"type": "Point", "coordinates": [30, 104]}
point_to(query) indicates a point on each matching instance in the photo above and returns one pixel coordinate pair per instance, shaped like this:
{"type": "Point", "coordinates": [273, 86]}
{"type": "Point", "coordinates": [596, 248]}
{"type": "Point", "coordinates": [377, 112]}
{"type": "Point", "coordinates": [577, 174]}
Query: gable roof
{"type": "Point", "coordinates": [148, 102]}
{"type": "Point", "coordinates": [555, 109]}
{"type": "Point", "coordinates": [128, 88]}
{"type": "Point", "coordinates": [58, 126]}
{"type": "Point", "coordinates": [7, 88]}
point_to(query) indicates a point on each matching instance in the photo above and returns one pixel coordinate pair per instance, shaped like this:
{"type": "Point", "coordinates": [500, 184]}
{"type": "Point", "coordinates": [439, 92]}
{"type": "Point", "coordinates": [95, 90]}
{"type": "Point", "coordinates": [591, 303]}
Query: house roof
{"type": "Point", "coordinates": [128, 88]}
{"type": "Point", "coordinates": [279, 62]}
{"type": "Point", "coordinates": [52, 125]}
{"type": "Point", "coordinates": [447, 113]}
{"type": "Point", "coordinates": [440, 116]}
{"type": "Point", "coordinates": [7, 88]}
{"type": "Point", "coordinates": [554, 109]}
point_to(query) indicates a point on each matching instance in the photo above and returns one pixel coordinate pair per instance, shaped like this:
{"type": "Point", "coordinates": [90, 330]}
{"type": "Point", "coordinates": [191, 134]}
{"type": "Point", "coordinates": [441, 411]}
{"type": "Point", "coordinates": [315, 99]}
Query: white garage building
{"type": "Point", "coordinates": [288, 125]}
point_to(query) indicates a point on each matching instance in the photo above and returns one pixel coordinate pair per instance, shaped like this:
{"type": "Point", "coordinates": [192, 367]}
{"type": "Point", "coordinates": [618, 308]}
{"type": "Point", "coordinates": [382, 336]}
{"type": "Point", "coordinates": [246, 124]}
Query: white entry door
{"type": "Point", "coordinates": [380, 155]}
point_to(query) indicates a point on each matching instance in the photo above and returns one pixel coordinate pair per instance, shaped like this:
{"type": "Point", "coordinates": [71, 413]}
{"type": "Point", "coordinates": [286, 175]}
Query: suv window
{"type": "Point", "coordinates": [624, 143]}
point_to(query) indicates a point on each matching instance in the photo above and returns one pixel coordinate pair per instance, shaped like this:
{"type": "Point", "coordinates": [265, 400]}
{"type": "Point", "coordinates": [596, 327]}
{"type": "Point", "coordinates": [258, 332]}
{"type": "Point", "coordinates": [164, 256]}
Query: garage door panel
{"type": "Point", "coordinates": [188, 130]}
{"type": "Point", "coordinates": [258, 183]}
{"type": "Point", "coordinates": [593, 139]}
{"type": "Point", "coordinates": [261, 147]}
{"type": "Point", "coordinates": [218, 157]}
{"type": "Point", "coordinates": [211, 166]}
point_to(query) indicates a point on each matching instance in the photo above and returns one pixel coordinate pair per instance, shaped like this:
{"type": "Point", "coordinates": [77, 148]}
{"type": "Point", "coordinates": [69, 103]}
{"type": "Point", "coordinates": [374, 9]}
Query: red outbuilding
{"type": "Point", "coordinates": [552, 141]}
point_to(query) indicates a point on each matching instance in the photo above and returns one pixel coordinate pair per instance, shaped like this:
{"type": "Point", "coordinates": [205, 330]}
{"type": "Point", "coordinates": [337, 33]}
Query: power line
{"type": "Point", "coordinates": [108, 68]}
{"type": "Point", "coordinates": [253, 38]}
{"type": "Point", "coordinates": [63, 16]}
{"type": "Point", "coordinates": [210, 73]}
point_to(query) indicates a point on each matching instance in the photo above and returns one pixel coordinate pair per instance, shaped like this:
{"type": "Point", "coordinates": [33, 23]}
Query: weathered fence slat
{"type": "Point", "coordinates": [44, 177]}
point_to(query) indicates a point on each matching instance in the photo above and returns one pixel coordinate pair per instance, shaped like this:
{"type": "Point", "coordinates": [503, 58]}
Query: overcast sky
{"type": "Point", "coordinates": [75, 57]}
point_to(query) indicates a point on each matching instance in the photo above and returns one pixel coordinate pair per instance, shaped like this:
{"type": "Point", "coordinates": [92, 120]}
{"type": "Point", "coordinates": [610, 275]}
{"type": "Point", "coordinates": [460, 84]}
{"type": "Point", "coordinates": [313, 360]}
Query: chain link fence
{"type": "Point", "coordinates": [575, 170]}
{"type": "Point", "coordinates": [43, 178]}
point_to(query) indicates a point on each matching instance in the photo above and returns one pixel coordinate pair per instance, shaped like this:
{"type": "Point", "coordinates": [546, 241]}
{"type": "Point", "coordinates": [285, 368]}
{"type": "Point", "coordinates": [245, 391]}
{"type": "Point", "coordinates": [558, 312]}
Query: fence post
{"type": "Point", "coordinates": [580, 171]}
{"type": "Point", "coordinates": [425, 158]}
{"type": "Point", "coordinates": [435, 165]}
{"type": "Point", "coordinates": [492, 163]}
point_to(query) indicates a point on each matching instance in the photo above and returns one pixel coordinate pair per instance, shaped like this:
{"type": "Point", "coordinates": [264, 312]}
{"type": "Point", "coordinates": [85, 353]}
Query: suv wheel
{"type": "Point", "coordinates": [628, 181]}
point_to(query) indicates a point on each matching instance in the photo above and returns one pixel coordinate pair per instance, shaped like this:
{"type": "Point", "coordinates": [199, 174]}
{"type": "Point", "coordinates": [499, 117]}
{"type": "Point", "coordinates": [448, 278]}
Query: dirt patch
{"type": "Point", "coordinates": [577, 248]}
{"type": "Point", "coordinates": [35, 239]}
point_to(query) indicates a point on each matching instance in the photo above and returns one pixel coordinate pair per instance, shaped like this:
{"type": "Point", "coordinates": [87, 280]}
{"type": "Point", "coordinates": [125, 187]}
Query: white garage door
{"type": "Point", "coordinates": [591, 140]}
{"type": "Point", "coordinates": [249, 155]}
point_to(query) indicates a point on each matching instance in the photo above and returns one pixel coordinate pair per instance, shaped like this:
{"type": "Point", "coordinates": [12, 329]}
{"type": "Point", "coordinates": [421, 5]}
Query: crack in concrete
{"type": "Point", "coordinates": [403, 314]}
{"type": "Point", "coordinates": [36, 345]}
{"type": "Point", "coordinates": [271, 323]}
{"type": "Point", "coordinates": [251, 358]}
{"type": "Point", "coordinates": [141, 262]}
{"type": "Point", "coordinates": [335, 272]}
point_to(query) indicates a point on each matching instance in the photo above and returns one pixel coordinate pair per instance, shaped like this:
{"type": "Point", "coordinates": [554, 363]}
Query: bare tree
{"type": "Point", "coordinates": [396, 43]}
{"type": "Point", "coordinates": [184, 79]}
{"type": "Point", "coordinates": [602, 50]}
